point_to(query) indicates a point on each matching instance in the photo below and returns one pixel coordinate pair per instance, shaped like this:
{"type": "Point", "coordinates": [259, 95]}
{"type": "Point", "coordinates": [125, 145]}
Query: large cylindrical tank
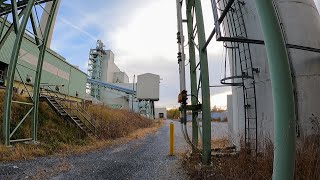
{"type": "Point", "coordinates": [301, 26]}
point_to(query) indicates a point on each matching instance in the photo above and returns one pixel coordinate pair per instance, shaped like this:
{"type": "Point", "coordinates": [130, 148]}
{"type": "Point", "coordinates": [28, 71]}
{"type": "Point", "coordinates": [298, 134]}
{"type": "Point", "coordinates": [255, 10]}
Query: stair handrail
{"type": "Point", "coordinates": [91, 121]}
{"type": "Point", "coordinates": [80, 110]}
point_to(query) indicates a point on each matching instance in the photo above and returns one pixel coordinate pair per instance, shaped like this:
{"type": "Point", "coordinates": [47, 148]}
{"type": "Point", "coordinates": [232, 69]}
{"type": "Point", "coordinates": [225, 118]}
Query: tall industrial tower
{"type": "Point", "coordinates": [44, 20]}
{"type": "Point", "coordinates": [95, 68]}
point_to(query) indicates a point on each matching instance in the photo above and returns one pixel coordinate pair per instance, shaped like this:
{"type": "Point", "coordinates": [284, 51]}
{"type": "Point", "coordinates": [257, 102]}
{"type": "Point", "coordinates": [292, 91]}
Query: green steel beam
{"type": "Point", "coordinates": [3, 24]}
{"type": "Point", "coordinates": [21, 4]}
{"type": "Point", "coordinates": [193, 74]}
{"type": "Point", "coordinates": [15, 16]}
{"type": "Point", "coordinates": [205, 87]}
{"type": "Point", "coordinates": [23, 119]}
{"type": "Point", "coordinates": [282, 92]}
{"type": "Point", "coordinates": [9, 30]}
{"type": "Point", "coordinates": [36, 88]}
{"type": "Point", "coordinates": [34, 27]}
{"type": "Point", "coordinates": [11, 73]}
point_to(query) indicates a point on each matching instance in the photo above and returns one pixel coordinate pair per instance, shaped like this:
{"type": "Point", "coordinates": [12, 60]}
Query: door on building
{"type": "Point", "coordinates": [3, 72]}
{"type": "Point", "coordinates": [161, 115]}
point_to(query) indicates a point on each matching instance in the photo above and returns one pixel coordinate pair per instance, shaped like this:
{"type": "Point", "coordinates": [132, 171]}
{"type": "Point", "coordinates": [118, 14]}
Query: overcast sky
{"type": "Point", "coordinates": [141, 33]}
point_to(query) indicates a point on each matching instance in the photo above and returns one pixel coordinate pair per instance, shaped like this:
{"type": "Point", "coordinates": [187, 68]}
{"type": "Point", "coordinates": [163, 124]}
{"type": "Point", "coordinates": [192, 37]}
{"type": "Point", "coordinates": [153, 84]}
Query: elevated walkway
{"type": "Point", "coordinates": [111, 86]}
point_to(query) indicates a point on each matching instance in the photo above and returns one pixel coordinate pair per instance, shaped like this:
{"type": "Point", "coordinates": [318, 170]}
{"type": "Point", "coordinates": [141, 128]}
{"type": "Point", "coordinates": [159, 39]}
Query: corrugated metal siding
{"type": "Point", "coordinates": [56, 70]}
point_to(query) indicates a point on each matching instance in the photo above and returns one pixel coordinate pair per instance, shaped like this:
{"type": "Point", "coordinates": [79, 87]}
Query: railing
{"type": "Point", "coordinates": [72, 107]}
{"type": "Point", "coordinates": [75, 110]}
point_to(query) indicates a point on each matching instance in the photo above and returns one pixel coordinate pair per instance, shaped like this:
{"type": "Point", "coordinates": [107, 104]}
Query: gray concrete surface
{"type": "Point", "coordinates": [144, 158]}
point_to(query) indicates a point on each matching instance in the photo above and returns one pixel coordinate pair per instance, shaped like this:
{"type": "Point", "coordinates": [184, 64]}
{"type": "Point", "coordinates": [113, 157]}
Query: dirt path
{"type": "Point", "coordinates": [144, 158]}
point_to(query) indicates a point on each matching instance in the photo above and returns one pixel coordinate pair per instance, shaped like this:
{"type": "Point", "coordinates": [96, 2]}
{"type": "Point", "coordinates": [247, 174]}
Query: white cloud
{"type": "Point", "coordinates": [142, 35]}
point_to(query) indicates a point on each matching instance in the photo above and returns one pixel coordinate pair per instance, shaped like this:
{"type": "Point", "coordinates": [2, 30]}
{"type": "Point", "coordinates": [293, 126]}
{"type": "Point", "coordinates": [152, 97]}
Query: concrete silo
{"type": "Point", "coordinates": [252, 108]}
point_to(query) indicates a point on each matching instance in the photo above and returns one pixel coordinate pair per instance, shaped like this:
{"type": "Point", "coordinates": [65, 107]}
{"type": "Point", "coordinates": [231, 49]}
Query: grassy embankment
{"type": "Point", "coordinates": [56, 137]}
{"type": "Point", "coordinates": [244, 166]}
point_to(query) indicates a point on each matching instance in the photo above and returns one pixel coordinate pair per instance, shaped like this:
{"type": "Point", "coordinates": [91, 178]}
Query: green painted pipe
{"type": "Point", "coordinates": [282, 92]}
{"type": "Point", "coordinates": [193, 73]}
{"type": "Point", "coordinates": [205, 87]}
{"type": "Point", "coordinates": [36, 88]}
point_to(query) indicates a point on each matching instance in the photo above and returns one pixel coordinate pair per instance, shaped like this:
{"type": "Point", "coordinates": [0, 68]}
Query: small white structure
{"type": "Point", "coordinates": [148, 87]}
{"type": "Point", "coordinates": [160, 113]}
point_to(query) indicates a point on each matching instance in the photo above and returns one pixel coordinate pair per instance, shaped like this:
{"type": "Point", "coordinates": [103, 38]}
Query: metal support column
{"type": "Point", "coordinates": [193, 74]}
{"type": "Point", "coordinates": [36, 88]}
{"type": "Point", "coordinates": [181, 61]}
{"type": "Point", "coordinates": [205, 87]}
{"type": "Point", "coordinates": [282, 92]}
{"type": "Point", "coordinates": [12, 70]}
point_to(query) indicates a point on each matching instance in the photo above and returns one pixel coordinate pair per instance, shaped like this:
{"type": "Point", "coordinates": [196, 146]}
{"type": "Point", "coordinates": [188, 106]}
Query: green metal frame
{"type": "Point", "coordinates": [205, 87]}
{"type": "Point", "coordinates": [193, 74]}
{"type": "Point", "coordinates": [36, 88]}
{"type": "Point", "coordinates": [20, 29]}
{"type": "Point", "coordinates": [194, 9]}
{"type": "Point", "coordinates": [2, 25]}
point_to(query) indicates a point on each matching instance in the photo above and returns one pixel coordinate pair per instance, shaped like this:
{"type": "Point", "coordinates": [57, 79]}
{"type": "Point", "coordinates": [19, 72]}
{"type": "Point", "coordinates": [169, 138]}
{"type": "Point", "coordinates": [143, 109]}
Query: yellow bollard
{"type": "Point", "coordinates": [171, 146]}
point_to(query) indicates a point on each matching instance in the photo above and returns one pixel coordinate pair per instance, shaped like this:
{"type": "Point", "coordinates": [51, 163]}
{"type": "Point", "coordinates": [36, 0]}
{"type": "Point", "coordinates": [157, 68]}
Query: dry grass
{"type": "Point", "coordinates": [58, 138]}
{"type": "Point", "coordinates": [244, 166]}
{"type": "Point", "coordinates": [114, 123]}
{"type": "Point", "coordinates": [219, 143]}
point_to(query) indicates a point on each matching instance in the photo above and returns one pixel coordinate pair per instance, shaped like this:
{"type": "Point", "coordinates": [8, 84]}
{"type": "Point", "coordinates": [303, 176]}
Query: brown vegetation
{"type": "Point", "coordinates": [217, 109]}
{"type": "Point", "coordinates": [173, 114]}
{"type": "Point", "coordinates": [245, 166]}
{"type": "Point", "coordinates": [219, 119]}
{"type": "Point", "coordinates": [57, 137]}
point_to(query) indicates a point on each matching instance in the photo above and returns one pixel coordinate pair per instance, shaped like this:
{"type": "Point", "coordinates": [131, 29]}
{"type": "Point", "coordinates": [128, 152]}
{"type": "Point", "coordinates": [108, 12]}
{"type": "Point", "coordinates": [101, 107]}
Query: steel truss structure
{"type": "Point", "coordinates": [195, 26]}
{"type": "Point", "coordinates": [23, 12]}
{"type": "Point", "coordinates": [95, 68]}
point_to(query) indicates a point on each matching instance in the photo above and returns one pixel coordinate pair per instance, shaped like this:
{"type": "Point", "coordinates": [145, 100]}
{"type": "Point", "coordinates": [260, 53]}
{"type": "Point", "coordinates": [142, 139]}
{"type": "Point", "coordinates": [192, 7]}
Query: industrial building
{"type": "Point", "coordinates": [29, 67]}
{"type": "Point", "coordinates": [109, 85]}
{"type": "Point", "coordinates": [102, 67]}
{"type": "Point", "coordinates": [56, 70]}
{"type": "Point", "coordinates": [160, 113]}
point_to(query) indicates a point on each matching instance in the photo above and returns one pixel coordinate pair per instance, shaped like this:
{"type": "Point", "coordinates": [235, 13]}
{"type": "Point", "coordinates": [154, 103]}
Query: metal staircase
{"type": "Point", "coordinates": [234, 26]}
{"type": "Point", "coordinates": [69, 110]}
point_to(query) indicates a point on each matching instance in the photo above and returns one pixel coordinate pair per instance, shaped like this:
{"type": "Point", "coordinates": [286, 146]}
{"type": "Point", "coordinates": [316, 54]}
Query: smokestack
{"type": "Point", "coordinates": [44, 19]}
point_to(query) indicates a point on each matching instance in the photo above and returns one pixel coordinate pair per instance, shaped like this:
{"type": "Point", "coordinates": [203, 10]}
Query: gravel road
{"type": "Point", "coordinates": [145, 158]}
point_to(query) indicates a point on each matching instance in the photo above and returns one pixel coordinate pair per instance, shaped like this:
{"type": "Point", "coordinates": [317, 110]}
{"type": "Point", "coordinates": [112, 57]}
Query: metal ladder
{"type": "Point", "coordinates": [242, 55]}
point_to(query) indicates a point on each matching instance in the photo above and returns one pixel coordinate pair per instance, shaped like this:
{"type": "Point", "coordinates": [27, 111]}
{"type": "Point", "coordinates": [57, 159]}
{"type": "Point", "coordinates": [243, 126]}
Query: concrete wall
{"type": "Point", "coordinates": [112, 74]}
{"type": "Point", "coordinates": [230, 120]}
{"type": "Point", "coordinates": [120, 100]}
{"type": "Point", "coordinates": [120, 77]}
